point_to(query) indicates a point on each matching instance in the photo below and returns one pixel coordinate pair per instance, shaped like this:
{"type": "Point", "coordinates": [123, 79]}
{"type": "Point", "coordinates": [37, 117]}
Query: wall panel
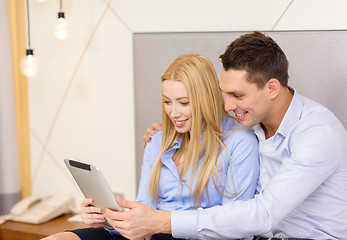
{"type": "Point", "coordinates": [317, 68]}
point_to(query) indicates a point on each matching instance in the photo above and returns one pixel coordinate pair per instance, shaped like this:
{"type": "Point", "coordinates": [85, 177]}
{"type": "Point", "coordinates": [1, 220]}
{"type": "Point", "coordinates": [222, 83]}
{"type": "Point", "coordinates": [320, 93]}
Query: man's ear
{"type": "Point", "coordinates": [274, 87]}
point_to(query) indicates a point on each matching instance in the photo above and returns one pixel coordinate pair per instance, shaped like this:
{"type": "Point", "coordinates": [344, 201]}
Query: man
{"type": "Point", "coordinates": [302, 189]}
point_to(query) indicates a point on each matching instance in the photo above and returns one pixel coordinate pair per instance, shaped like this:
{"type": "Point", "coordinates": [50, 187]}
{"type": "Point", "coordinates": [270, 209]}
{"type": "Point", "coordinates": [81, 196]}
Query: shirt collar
{"type": "Point", "coordinates": [292, 115]}
{"type": "Point", "coordinates": [168, 154]}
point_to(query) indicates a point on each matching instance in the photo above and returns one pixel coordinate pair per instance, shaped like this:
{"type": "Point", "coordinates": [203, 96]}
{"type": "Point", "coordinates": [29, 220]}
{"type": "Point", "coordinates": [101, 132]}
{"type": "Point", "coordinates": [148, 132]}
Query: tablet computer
{"type": "Point", "coordinates": [93, 184]}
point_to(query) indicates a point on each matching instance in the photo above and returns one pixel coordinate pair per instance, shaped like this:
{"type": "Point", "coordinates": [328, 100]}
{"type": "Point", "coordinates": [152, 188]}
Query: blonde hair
{"type": "Point", "coordinates": [197, 73]}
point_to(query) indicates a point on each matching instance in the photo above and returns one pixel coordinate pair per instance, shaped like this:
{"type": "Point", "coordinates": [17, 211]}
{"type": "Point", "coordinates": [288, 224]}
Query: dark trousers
{"type": "Point", "coordinates": [101, 233]}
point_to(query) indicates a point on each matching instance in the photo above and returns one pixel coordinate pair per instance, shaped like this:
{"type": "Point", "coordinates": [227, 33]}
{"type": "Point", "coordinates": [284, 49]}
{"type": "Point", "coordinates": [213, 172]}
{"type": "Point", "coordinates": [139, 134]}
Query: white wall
{"type": "Point", "coordinates": [9, 165]}
{"type": "Point", "coordinates": [81, 103]}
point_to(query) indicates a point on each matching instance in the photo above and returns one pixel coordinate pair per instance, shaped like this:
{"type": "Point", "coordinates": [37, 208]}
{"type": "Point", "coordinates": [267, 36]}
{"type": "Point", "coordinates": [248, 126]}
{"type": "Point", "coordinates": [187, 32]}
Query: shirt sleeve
{"type": "Point", "coordinates": [313, 158]}
{"type": "Point", "coordinates": [149, 157]}
{"type": "Point", "coordinates": [243, 172]}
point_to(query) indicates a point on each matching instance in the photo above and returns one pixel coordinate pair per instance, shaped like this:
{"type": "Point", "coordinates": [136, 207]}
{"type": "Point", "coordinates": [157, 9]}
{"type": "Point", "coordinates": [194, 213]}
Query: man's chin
{"type": "Point", "coordinates": [247, 123]}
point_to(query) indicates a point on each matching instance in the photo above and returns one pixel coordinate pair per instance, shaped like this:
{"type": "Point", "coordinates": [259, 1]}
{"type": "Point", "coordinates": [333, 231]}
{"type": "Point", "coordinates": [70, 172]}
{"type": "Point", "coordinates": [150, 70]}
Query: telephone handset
{"type": "Point", "coordinates": [40, 208]}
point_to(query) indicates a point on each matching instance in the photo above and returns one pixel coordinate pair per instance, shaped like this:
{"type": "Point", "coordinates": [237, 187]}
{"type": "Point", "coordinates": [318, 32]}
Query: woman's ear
{"type": "Point", "coordinates": [274, 87]}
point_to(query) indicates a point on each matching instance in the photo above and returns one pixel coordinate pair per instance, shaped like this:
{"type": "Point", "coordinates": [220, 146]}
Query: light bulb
{"type": "Point", "coordinates": [61, 27]}
{"type": "Point", "coordinates": [28, 64]}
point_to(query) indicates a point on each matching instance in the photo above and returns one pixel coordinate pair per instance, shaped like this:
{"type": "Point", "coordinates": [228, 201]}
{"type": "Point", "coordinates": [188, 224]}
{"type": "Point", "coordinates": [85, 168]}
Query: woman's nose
{"type": "Point", "coordinates": [174, 111]}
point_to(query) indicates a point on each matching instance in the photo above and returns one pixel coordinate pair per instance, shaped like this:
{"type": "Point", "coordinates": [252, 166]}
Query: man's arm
{"type": "Point", "coordinates": [301, 173]}
{"type": "Point", "coordinates": [309, 164]}
{"type": "Point", "coordinates": [140, 222]}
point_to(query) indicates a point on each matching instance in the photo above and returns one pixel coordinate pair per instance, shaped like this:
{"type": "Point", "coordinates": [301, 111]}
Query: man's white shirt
{"type": "Point", "coordinates": [302, 190]}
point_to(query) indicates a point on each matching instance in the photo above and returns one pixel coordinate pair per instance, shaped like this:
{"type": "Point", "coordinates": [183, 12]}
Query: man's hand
{"type": "Point", "coordinates": [151, 132]}
{"type": "Point", "coordinates": [140, 222]}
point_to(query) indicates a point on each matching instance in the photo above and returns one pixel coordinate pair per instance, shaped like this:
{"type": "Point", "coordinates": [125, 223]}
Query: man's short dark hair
{"type": "Point", "coordinates": [260, 56]}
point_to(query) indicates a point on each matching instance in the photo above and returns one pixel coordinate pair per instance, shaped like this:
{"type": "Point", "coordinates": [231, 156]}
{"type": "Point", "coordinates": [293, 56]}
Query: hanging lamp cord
{"type": "Point", "coordinates": [28, 20]}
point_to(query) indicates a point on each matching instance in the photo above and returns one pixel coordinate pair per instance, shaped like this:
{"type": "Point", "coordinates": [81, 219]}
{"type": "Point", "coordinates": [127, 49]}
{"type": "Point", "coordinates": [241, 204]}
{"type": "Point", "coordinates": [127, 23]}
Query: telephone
{"type": "Point", "coordinates": [40, 208]}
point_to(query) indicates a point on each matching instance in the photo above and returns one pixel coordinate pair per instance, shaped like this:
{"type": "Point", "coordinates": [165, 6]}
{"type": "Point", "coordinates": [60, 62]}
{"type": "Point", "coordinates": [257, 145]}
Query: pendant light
{"type": "Point", "coordinates": [28, 64]}
{"type": "Point", "coordinates": [61, 27]}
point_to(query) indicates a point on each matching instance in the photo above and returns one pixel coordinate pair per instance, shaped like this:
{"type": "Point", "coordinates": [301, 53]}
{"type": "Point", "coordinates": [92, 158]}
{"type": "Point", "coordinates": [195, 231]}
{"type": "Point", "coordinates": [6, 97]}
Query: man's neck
{"type": "Point", "coordinates": [279, 109]}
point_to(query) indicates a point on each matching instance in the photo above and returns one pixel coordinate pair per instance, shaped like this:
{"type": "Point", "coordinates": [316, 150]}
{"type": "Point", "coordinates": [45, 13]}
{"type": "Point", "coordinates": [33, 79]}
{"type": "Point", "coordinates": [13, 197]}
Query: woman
{"type": "Point", "coordinates": [201, 158]}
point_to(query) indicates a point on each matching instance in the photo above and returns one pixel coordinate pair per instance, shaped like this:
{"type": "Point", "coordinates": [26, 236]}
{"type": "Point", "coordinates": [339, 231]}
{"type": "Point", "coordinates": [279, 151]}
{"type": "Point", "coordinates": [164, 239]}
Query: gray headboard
{"type": "Point", "coordinates": [317, 68]}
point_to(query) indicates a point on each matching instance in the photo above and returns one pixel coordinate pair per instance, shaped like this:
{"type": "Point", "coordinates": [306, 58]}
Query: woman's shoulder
{"type": "Point", "coordinates": [152, 148]}
{"type": "Point", "coordinates": [155, 139]}
{"type": "Point", "coordinates": [232, 128]}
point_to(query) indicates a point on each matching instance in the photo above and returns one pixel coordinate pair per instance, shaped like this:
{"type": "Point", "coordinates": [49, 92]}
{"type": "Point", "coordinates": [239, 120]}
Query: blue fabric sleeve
{"type": "Point", "coordinates": [150, 155]}
{"type": "Point", "coordinates": [243, 173]}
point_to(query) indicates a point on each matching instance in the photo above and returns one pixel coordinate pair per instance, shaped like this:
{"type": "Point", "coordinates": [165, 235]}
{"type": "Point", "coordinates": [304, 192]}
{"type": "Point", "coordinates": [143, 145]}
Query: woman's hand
{"type": "Point", "coordinates": [91, 215]}
{"type": "Point", "coordinates": [151, 132]}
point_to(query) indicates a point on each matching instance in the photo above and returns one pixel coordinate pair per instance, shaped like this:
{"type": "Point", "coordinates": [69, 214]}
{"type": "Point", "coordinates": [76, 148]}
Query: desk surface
{"type": "Point", "coordinates": [21, 231]}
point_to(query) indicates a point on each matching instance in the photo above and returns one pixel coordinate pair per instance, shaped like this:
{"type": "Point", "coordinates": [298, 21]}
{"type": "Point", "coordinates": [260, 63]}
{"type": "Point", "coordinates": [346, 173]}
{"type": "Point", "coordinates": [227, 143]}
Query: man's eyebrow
{"type": "Point", "coordinates": [231, 92]}
{"type": "Point", "coordinates": [221, 90]}
{"type": "Point", "coordinates": [234, 92]}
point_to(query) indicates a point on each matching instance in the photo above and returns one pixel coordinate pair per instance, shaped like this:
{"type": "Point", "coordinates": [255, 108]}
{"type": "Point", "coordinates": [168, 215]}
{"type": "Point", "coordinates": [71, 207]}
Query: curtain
{"type": "Point", "coordinates": [9, 161]}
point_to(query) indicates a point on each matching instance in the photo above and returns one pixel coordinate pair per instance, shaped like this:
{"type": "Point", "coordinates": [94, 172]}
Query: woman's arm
{"type": "Point", "coordinates": [243, 172]}
{"type": "Point", "coordinates": [150, 155]}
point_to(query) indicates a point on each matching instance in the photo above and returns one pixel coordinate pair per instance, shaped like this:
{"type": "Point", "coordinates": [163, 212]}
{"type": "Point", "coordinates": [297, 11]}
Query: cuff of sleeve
{"type": "Point", "coordinates": [112, 232]}
{"type": "Point", "coordinates": [184, 224]}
